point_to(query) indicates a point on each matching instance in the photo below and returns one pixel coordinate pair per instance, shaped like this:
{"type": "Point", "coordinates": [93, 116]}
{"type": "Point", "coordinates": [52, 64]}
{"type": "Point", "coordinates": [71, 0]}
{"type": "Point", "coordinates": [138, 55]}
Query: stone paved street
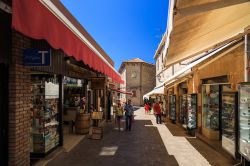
{"type": "Point", "coordinates": [147, 144]}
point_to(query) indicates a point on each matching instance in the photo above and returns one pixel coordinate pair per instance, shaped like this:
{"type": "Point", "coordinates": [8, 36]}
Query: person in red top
{"type": "Point", "coordinates": [157, 112]}
{"type": "Point", "coordinates": [146, 107]}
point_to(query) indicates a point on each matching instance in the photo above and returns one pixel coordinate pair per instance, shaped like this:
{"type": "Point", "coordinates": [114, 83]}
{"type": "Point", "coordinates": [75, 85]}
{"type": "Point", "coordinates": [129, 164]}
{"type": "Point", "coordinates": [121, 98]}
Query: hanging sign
{"type": "Point", "coordinates": [51, 90]}
{"type": "Point", "coordinates": [36, 57]}
{"type": "Point", "coordinates": [97, 83]}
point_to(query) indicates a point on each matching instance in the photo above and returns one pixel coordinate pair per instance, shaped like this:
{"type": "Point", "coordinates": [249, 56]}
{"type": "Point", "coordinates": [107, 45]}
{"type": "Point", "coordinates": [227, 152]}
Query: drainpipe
{"type": "Point", "coordinates": [247, 59]}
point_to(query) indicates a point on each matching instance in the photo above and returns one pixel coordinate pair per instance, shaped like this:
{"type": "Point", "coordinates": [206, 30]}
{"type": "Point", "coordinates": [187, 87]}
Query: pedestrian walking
{"type": "Point", "coordinates": [119, 115]}
{"type": "Point", "coordinates": [147, 108]}
{"type": "Point", "coordinates": [157, 112]}
{"type": "Point", "coordinates": [129, 112]}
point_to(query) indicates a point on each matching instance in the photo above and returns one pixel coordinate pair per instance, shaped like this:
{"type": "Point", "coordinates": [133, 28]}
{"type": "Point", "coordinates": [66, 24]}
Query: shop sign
{"type": "Point", "coordinates": [36, 57]}
{"type": "Point", "coordinates": [97, 83]}
{"type": "Point", "coordinates": [73, 82]}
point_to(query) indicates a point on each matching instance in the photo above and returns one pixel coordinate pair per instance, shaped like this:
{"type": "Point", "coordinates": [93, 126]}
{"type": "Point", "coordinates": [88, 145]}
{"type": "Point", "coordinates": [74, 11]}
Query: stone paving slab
{"type": "Point", "coordinates": [147, 144]}
{"type": "Point", "coordinates": [142, 146]}
{"type": "Point", "coordinates": [211, 155]}
{"type": "Point", "coordinates": [179, 147]}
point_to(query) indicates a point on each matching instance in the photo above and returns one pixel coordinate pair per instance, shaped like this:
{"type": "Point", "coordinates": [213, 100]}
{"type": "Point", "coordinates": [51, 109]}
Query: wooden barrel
{"type": "Point", "coordinates": [82, 123]}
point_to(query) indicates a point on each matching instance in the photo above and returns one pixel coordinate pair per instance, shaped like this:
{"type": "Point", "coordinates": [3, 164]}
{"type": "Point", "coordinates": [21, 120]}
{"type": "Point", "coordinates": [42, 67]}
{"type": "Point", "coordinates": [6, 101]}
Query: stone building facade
{"type": "Point", "coordinates": [139, 77]}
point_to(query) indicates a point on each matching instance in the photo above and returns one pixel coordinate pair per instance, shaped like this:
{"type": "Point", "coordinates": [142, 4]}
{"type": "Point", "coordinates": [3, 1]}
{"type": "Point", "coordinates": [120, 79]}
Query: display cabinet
{"type": "Point", "coordinates": [211, 102]}
{"type": "Point", "coordinates": [228, 121]}
{"type": "Point", "coordinates": [191, 111]}
{"type": "Point", "coordinates": [44, 134]}
{"type": "Point", "coordinates": [244, 120]}
{"type": "Point", "coordinates": [183, 109]}
{"type": "Point", "coordinates": [172, 107]}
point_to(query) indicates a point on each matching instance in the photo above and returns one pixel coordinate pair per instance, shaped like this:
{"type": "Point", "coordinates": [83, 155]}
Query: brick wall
{"type": "Point", "coordinates": [19, 104]}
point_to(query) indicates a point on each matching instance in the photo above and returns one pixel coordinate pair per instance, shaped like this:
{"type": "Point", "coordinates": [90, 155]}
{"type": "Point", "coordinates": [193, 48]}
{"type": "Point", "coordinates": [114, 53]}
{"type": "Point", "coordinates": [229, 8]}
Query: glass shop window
{"type": "Point", "coordinates": [210, 104]}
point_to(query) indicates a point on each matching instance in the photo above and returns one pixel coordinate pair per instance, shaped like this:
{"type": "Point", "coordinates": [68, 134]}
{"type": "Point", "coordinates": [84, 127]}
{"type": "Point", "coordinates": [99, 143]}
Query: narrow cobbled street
{"type": "Point", "coordinates": [140, 146]}
{"type": "Point", "coordinates": [147, 144]}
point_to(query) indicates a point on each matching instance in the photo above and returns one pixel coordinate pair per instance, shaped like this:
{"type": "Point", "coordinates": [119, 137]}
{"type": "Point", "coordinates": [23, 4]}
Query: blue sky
{"type": "Point", "coordinates": [125, 29]}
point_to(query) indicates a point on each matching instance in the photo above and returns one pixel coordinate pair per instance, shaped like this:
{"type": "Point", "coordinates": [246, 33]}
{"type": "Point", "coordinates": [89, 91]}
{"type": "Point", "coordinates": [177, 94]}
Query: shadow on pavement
{"type": "Point", "coordinates": [142, 146]}
{"type": "Point", "coordinates": [136, 108]}
{"type": "Point", "coordinates": [211, 155]}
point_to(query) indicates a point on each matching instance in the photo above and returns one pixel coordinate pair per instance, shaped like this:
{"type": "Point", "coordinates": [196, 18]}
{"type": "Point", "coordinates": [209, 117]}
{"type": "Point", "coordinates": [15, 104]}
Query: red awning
{"type": "Point", "coordinates": [122, 91]}
{"type": "Point", "coordinates": [33, 19]}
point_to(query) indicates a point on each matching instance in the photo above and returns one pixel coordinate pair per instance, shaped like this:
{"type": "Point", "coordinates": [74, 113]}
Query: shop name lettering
{"type": "Point", "coordinates": [35, 57]}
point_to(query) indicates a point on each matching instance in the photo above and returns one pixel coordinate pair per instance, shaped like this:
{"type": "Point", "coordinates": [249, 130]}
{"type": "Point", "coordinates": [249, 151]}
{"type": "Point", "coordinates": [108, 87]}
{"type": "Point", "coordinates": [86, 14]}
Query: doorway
{"type": "Point", "coordinates": [4, 114]}
{"type": "Point", "coordinates": [5, 54]}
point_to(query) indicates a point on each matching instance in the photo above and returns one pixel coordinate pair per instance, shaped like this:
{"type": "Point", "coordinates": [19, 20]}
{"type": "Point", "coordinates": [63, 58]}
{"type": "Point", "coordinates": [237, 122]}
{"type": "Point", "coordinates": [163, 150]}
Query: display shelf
{"type": "Point", "coordinates": [51, 124]}
{"type": "Point", "coordinates": [192, 111]}
{"type": "Point", "coordinates": [244, 121]}
{"type": "Point", "coordinates": [211, 102]}
{"type": "Point", "coordinates": [172, 107]}
{"type": "Point", "coordinates": [44, 133]}
{"type": "Point", "coordinates": [183, 109]}
{"type": "Point", "coordinates": [228, 121]}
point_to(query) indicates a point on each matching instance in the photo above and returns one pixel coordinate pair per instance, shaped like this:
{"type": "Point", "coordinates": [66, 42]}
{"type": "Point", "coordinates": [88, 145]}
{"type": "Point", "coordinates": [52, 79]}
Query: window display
{"type": "Point", "coordinates": [228, 116]}
{"type": "Point", "coordinates": [244, 120]}
{"type": "Point", "coordinates": [210, 100]}
{"type": "Point", "coordinates": [183, 109]}
{"type": "Point", "coordinates": [172, 107]}
{"type": "Point", "coordinates": [192, 111]}
{"type": "Point", "coordinates": [44, 115]}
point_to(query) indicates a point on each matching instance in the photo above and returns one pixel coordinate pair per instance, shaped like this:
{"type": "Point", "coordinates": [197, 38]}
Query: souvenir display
{"type": "Point", "coordinates": [244, 120]}
{"type": "Point", "coordinates": [210, 109]}
{"type": "Point", "coordinates": [74, 97]}
{"type": "Point", "coordinates": [172, 107]}
{"type": "Point", "coordinates": [228, 118]}
{"type": "Point", "coordinates": [183, 109]}
{"type": "Point", "coordinates": [192, 111]}
{"type": "Point", "coordinates": [44, 116]}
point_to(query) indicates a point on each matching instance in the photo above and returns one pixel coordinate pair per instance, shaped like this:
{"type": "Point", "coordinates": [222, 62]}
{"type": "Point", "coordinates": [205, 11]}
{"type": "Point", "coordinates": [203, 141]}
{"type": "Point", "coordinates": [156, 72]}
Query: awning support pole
{"type": "Point", "coordinates": [247, 58]}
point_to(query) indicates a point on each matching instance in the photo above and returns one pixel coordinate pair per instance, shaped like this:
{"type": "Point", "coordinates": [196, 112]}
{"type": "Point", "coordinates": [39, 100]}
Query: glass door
{"type": "Point", "coordinates": [228, 121]}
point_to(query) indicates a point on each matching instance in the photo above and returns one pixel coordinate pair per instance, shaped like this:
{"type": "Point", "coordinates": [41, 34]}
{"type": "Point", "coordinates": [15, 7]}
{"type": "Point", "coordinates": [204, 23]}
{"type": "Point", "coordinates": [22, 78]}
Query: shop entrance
{"type": "Point", "coordinates": [3, 114]}
{"type": "Point", "coordinates": [5, 54]}
{"type": "Point", "coordinates": [220, 115]}
{"type": "Point", "coordinates": [183, 103]}
{"type": "Point", "coordinates": [76, 119]}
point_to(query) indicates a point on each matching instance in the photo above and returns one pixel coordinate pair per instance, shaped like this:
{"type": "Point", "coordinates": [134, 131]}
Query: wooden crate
{"type": "Point", "coordinates": [96, 132]}
{"type": "Point", "coordinates": [96, 136]}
